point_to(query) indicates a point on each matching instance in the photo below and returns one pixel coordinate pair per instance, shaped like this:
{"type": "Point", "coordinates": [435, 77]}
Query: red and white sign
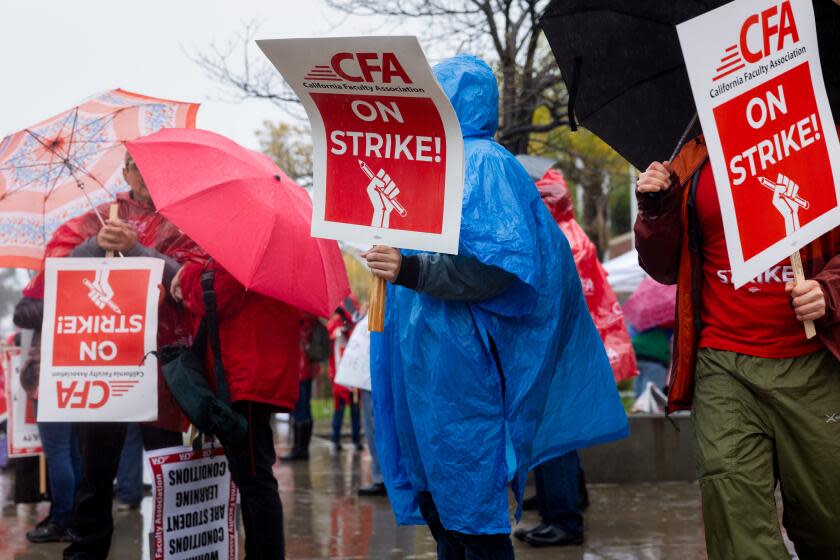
{"type": "Point", "coordinates": [4, 407]}
{"type": "Point", "coordinates": [194, 504]}
{"type": "Point", "coordinates": [757, 82]}
{"type": "Point", "coordinates": [23, 437]}
{"type": "Point", "coordinates": [387, 149]}
{"type": "Point", "coordinates": [100, 323]}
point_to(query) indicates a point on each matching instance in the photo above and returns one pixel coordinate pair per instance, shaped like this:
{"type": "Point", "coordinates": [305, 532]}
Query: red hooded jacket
{"type": "Point", "coordinates": [600, 299]}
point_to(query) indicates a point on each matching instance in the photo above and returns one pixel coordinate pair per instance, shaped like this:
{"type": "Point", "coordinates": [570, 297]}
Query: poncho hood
{"type": "Point", "coordinates": [472, 89]}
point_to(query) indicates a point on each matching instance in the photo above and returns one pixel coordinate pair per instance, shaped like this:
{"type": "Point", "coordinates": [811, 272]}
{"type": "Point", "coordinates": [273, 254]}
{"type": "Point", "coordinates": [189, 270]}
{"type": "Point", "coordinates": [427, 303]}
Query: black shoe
{"type": "Point", "coordinates": [296, 454]}
{"type": "Point", "coordinates": [337, 446]}
{"type": "Point", "coordinates": [301, 431]}
{"type": "Point", "coordinates": [359, 446]}
{"type": "Point", "coordinates": [49, 532]}
{"type": "Point", "coordinates": [375, 489]}
{"type": "Point", "coordinates": [521, 533]}
{"type": "Point", "coordinates": [552, 535]}
{"type": "Point", "coordinates": [530, 504]}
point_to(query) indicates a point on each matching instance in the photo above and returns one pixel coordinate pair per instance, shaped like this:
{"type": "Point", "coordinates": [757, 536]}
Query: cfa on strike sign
{"type": "Point", "coordinates": [100, 322]}
{"type": "Point", "coordinates": [387, 149]}
{"type": "Point", "coordinates": [758, 85]}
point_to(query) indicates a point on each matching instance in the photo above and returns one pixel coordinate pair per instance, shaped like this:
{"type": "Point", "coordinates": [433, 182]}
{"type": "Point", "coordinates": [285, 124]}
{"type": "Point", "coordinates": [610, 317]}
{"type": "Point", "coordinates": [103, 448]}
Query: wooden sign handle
{"type": "Point", "coordinates": [112, 215]}
{"type": "Point", "coordinates": [42, 474]}
{"type": "Point", "coordinates": [376, 315]}
{"type": "Point", "coordinates": [799, 275]}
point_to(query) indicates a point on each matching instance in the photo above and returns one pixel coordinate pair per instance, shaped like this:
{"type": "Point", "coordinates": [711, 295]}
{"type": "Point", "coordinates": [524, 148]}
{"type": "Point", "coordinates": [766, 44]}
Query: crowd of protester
{"type": "Point", "coordinates": [490, 368]}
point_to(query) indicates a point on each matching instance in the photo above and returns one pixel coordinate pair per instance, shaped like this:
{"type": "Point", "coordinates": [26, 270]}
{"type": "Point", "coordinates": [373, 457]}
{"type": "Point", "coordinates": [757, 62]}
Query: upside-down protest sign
{"type": "Point", "coordinates": [758, 85]}
{"type": "Point", "coordinates": [387, 149]}
{"type": "Point", "coordinates": [24, 439]}
{"type": "Point", "coordinates": [194, 504]}
{"type": "Point", "coordinates": [100, 323]}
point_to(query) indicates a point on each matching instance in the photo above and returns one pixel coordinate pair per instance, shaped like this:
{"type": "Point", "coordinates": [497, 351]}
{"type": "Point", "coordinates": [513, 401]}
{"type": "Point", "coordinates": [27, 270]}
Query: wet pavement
{"type": "Point", "coordinates": [325, 519]}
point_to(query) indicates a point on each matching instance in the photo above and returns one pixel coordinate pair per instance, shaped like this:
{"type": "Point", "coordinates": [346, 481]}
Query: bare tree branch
{"type": "Point", "coordinates": [509, 29]}
{"type": "Point", "coordinates": [256, 80]}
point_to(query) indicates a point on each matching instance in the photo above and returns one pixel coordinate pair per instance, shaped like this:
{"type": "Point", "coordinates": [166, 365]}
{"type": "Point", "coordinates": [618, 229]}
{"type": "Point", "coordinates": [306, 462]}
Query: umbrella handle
{"type": "Point", "coordinates": [376, 315]}
{"type": "Point", "coordinates": [684, 137]}
{"type": "Point", "coordinates": [113, 212]}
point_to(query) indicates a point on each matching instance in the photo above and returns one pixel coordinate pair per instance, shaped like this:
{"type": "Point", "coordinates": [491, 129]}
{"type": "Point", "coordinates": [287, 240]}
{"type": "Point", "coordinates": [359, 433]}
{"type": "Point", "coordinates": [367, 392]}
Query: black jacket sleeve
{"type": "Point", "coordinates": [453, 277]}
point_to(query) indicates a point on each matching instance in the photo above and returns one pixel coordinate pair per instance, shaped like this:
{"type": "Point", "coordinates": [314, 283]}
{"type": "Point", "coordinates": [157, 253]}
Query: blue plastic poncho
{"type": "Point", "coordinates": [447, 422]}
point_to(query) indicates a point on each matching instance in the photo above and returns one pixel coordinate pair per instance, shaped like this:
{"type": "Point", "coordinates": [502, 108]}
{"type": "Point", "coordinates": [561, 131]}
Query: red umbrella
{"type": "Point", "coordinates": [651, 305]}
{"type": "Point", "coordinates": [246, 213]}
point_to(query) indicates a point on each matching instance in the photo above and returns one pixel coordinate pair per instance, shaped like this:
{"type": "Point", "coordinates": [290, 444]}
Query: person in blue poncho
{"type": "Point", "coordinates": [489, 364]}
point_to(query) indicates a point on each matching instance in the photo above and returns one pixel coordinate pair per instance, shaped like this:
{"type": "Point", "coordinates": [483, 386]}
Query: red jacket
{"type": "Point", "coordinates": [340, 326]}
{"type": "Point", "coordinates": [260, 338]}
{"type": "Point", "coordinates": [667, 241]}
{"type": "Point", "coordinates": [600, 298]}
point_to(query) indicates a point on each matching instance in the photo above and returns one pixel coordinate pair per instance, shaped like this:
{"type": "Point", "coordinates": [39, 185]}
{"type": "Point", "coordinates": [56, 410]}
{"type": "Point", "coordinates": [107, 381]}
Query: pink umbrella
{"type": "Point", "coordinates": [70, 163]}
{"type": "Point", "coordinates": [651, 305]}
{"type": "Point", "coordinates": [246, 213]}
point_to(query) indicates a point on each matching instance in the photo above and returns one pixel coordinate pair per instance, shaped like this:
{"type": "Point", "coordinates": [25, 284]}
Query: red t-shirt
{"type": "Point", "coordinates": [757, 319]}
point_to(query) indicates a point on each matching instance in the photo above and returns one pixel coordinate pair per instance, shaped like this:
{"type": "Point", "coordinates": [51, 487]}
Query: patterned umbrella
{"type": "Point", "coordinates": [65, 165]}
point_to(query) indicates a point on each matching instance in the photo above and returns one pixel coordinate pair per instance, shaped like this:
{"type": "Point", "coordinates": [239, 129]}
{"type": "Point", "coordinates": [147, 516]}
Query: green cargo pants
{"type": "Point", "coordinates": [758, 421]}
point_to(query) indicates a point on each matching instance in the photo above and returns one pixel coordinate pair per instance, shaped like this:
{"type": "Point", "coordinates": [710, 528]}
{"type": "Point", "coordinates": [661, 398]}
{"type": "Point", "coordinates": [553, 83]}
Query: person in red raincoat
{"type": "Point", "coordinates": [600, 299]}
{"type": "Point", "coordinates": [139, 231]}
{"type": "Point", "coordinates": [260, 347]}
{"type": "Point", "coordinates": [561, 490]}
{"type": "Point", "coordinates": [340, 327]}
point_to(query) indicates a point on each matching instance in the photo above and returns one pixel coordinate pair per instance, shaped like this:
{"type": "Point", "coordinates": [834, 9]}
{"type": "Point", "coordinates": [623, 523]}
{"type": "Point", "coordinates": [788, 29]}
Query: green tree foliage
{"type": "Point", "coordinates": [290, 149]}
{"type": "Point", "coordinates": [602, 176]}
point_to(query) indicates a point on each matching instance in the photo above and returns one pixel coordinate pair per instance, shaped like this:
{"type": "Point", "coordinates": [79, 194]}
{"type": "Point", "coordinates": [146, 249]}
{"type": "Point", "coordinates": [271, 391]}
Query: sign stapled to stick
{"type": "Point", "coordinates": [387, 149]}
{"type": "Point", "coordinates": [194, 504]}
{"type": "Point", "coordinates": [758, 85]}
{"type": "Point", "coordinates": [24, 439]}
{"type": "Point", "coordinates": [100, 323]}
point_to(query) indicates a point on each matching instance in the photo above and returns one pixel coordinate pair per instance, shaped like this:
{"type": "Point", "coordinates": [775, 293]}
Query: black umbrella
{"type": "Point", "coordinates": [627, 81]}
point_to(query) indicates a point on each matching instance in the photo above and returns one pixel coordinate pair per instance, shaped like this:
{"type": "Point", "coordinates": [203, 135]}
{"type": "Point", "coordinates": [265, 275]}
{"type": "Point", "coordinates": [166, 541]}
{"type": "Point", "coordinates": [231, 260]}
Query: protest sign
{"type": "Point", "coordinates": [4, 408]}
{"type": "Point", "coordinates": [388, 155]}
{"type": "Point", "coordinates": [194, 504]}
{"type": "Point", "coordinates": [758, 85]}
{"type": "Point", "coordinates": [100, 322]}
{"type": "Point", "coordinates": [23, 437]}
{"type": "Point", "coordinates": [353, 368]}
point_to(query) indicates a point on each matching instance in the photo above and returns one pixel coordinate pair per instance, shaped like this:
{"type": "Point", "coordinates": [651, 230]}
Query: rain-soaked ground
{"type": "Point", "coordinates": [325, 519]}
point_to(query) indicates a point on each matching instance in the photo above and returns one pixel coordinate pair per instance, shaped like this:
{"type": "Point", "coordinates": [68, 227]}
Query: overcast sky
{"type": "Point", "coordinates": [57, 53]}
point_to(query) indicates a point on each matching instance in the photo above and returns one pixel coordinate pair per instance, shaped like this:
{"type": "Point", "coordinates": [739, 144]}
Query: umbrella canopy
{"type": "Point", "coordinates": [625, 73]}
{"type": "Point", "coordinates": [70, 163]}
{"type": "Point", "coordinates": [246, 213]}
{"type": "Point", "coordinates": [651, 305]}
